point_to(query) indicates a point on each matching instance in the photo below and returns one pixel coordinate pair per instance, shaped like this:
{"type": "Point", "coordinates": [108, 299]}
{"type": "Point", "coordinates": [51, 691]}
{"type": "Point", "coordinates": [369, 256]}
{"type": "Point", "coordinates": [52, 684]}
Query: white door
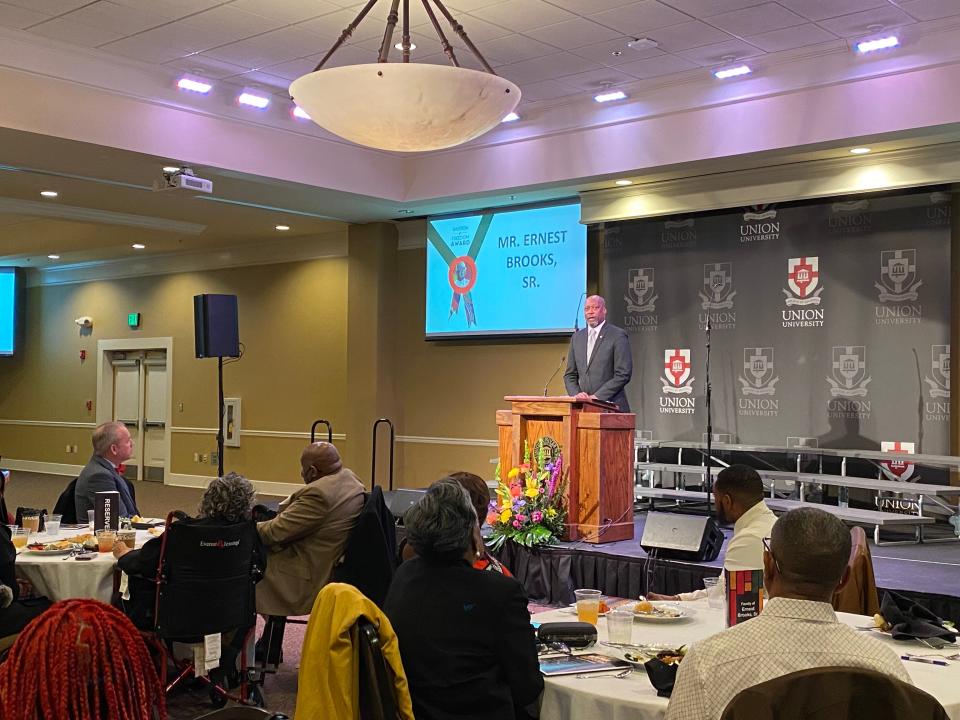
{"type": "Point", "coordinates": [140, 403]}
{"type": "Point", "coordinates": [154, 418]}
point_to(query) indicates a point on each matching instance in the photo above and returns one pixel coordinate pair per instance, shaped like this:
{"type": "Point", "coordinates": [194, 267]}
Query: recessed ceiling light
{"type": "Point", "coordinates": [732, 72]}
{"type": "Point", "coordinates": [878, 44]}
{"type": "Point", "coordinates": [860, 150]}
{"type": "Point", "coordinates": [192, 85]}
{"type": "Point", "coordinates": [511, 117]}
{"type": "Point", "coordinates": [642, 44]}
{"type": "Point", "coordinates": [253, 100]}
{"type": "Point", "coordinates": [281, 228]}
{"type": "Point", "coordinates": [171, 169]}
{"type": "Point", "coordinates": [609, 96]}
{"type": "Point", "coordinates": [624, 183]}
{"type": "Point", "coordinates": [53, 257]}
{"type": "Point", "coordinates": [49, 193]}
{"type": "Point", "coordinates": [299, 112]}
{"type": "Point", "coordinates": [399, 46]}
{"type": "Point", "coordinates": [138, 246]}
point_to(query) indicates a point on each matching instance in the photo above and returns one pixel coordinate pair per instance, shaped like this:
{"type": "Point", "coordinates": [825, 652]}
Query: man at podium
{"type": "Point", "coordinates": [599, 364]}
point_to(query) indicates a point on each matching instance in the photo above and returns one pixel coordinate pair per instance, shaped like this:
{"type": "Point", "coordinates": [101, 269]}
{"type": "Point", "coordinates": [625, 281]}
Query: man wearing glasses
{"type": "Point", "coordinates": [804, 562]}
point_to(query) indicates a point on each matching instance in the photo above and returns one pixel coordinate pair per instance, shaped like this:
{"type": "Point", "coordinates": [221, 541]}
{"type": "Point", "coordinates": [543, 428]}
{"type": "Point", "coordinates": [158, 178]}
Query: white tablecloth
{"type": "Point", "coordinates": [61, 579]}
{"type": "Point", "coordinates": [634, 698]}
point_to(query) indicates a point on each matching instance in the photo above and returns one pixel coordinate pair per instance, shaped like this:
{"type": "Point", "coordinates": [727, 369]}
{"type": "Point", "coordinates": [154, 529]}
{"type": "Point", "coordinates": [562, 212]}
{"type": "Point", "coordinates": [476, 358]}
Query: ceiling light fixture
{"type": "Point", "coordinates": [138, 246]}
{"type": "Point", "coordinates": [299, 112]}
{"type": "Point", "coordinates": [399, 46]}
{"type": "Point", "coordinates": [253, 100]}
{"type": "Point", "coordinates": [732, 72]}
{"type": "Point", "coordinates": [624, 183]}
{"type": "Point", "coordinates": [49, 193]}
{"type": "Point", "coordinates": [282, 228]}
{"type": "Point", "coordinates": [860, 150]}
{"type": "Point", "coordinates": [878, 44]}
{"type": "Point", "coordinates": [510, 117]}
{"type": "Point", "coordinates": [53, 257]}
{"type": "Point", "coordinates": [192, 85]}
{"type": "Point", "coordinates": [404, 106]}
{"type": "Point", "coordinates": [610, 96]}
{"type": "Point", "coordinates": [642, 43]}
{"type": "Point", "coordinates": [171, 169]}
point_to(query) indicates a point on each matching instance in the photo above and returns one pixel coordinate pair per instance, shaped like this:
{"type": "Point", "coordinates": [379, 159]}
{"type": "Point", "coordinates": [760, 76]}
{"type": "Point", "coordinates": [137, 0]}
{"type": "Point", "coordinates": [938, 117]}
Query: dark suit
{"type": "Point", "coordinates": [99, 475]}
{"type": "Point", "coordinates": [609, 369]}
{"type": "Point", "coordinates": [465, 640]}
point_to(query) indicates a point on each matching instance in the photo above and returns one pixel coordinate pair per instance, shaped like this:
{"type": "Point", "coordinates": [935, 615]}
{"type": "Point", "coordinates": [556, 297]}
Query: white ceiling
{"type": "Point", "coordinates": [552, 48]}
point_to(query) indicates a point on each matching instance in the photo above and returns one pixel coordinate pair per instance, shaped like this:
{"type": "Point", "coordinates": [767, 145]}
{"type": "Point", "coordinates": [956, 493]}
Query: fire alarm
{"type": "Point", "coordinates": [83, 354]}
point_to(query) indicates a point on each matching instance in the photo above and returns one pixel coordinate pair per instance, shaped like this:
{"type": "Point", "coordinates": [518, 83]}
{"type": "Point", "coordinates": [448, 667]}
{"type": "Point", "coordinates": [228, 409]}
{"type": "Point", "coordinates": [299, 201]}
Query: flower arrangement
{"type": "Point", "coordinates": [529, 508]}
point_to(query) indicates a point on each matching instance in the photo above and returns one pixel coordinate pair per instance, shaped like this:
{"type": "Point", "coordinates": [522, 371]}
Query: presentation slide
{"type": "Point", "coordinates": [518, 272]}
{"type": "Point", "coordinates": [8, 310]}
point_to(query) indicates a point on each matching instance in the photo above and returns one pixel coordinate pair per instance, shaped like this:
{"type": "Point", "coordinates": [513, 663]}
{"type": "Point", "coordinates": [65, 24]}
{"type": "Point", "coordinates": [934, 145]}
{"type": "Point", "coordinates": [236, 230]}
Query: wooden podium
{"type": "Point", "coordinates": [597, 444]}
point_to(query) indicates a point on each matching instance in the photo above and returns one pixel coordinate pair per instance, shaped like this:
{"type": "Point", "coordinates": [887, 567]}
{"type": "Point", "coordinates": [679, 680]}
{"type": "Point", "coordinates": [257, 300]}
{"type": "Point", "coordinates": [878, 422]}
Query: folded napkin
{"type": "Point", "coordinates": [911, 621]}
{"type": "Point", "coordinates": [662, 676]}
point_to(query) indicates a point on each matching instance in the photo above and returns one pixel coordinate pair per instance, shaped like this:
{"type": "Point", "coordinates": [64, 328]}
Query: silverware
{"type": "Point", "coordinates": [618, 676]}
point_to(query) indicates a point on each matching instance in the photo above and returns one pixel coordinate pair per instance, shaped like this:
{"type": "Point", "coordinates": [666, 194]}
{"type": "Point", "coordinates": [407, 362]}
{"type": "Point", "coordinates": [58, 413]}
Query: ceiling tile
{"type": "Point", "coordinates": [687, 35]}
{"type": "Point", "coordinates": [271, 48]}
{"type": "Point", "coordinates": [640, 17]}
{"type": "Point", "coordinates": [262, 80]}
{"type": "Point", "coordinates": [226, 24]}
{"type": "Point", "coordinates": [713, 55]}
{"type": "Point", "coordinates": [471, 5]}
{"type": "Point", "coordinates": [573, 33]}
{"type": "Point", "coordinates": [597, 80]}
{"type": "Point", "coordinates": [206, 67]}
{"type": "Point", "coordinates": [930, 9]}
{"type": "Point", "coordinates": [603, 52]}
{"type": "Point", "coordinates": [822, 9]}
{"type": "Point", "coordinates": [656, 66]}
{"type": "Point", "coordinates": [288, 11]}
{"type": "Point", "coordinates": [345, 55]}
{"type": "Point", "coordinates": [546, 67]}
{"type": "Point", "coordinates": [426, 45]}
{"type": "Point", "coordinates": [863, 23]}
{"type": "Point", "coordinates": [161, 44]}
{"type": "Point", "coordinates": [515, 48]}
{"type": "Point", "coordinates": [18, 17]}
{"type": "Point", "coordinates": [378, 15]}
{"type": "Point", "coordinates": [545, 90]}
{"type": "Point", "coordinates": [756, 20]}
{"type": "Point", "coordinates": [521, 16]}
{"type": "Point", "coordinates": [790, 38]}
{"type": "Point", "coordinates": [75, 33]}
{"type": "Point", "coordinates": [48, 7]}
{"type": "Point", "coordinates": [330, 26]}
{"type": "Point", "coordinates": [705, 8]}
{"type": "Point", "coordinates": [585, 7]}
{"type": "Point", "coordinates": [171, 9]}
{"type": "Point", "coordinates": [117, 18]}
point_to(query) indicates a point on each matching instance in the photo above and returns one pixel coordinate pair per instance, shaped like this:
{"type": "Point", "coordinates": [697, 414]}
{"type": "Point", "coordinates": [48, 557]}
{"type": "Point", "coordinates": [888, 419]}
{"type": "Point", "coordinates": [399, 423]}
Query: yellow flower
{"type": "Point", "coordinates": [505, 515]}
{"type": "Point", "coordinates": [531, 492]}
{"type": "Point", "coordinates": [513, 473]}
{"type": "Point", "coordinates": [551, 512]}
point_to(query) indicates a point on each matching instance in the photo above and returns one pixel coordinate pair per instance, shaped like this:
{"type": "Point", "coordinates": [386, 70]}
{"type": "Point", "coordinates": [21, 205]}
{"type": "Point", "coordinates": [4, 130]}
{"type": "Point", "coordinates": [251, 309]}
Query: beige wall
{"type": "Point", "coordinates": [339, 338]}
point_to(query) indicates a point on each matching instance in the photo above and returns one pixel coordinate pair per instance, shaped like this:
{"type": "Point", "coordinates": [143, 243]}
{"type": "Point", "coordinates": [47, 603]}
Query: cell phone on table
{"type": "Point", "coordinates": [86, 556]}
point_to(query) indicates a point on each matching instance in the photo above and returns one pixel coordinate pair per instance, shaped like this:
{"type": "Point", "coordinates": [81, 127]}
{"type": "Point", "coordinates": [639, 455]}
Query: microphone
{"type": "Point", "coordinates": [563, 361]}
{"type": "Point", "coordinates": [576, 318]}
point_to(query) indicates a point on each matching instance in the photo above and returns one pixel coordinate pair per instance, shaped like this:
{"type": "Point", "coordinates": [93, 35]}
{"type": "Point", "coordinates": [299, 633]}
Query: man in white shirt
{"type": "Point", "coordinates": [796, 630]}
{"type": "Point", "coordinates": [738, 493]}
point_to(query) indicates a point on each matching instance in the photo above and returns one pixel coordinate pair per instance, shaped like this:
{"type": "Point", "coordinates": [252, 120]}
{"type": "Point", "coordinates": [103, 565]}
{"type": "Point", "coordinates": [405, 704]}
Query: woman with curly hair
{"type": "Point", "coordinates": [80, 660]}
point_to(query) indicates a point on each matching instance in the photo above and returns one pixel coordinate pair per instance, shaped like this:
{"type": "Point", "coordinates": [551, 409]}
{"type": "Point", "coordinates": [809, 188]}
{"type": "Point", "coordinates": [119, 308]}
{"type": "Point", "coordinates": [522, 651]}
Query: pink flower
{"type": "Point", "coordinates": [516, 524]}
{"type": "Point", "coordinates": [522, 518]}
{"type": "Point", "coordinates": [537, 516]}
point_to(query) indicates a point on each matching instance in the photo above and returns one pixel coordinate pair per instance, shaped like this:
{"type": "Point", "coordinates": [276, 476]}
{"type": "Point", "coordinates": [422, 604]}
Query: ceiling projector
{"type": "Point", "coordinates": [182, 179]}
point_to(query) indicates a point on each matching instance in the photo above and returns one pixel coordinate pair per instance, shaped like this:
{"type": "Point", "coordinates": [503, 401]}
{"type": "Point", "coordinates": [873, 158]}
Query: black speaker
{"type": "Point", "coordinates": [216, 326]}
{"type": "Point", "coordinates": [694, 538]}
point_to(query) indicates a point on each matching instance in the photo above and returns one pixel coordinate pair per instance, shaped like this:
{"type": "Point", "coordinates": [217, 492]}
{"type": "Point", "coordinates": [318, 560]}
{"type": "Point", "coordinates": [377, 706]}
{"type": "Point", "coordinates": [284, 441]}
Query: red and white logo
{"type": "Point", "coordinates": [803, 281]}
{"type": "Point", "coordinates": [897, 469]}
{"type": "Point", "coordinates": [677, 378]}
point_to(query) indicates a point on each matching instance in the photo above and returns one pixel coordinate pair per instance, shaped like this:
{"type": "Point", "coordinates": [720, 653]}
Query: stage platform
{"type": "Point", "coordinates": [928, 572]}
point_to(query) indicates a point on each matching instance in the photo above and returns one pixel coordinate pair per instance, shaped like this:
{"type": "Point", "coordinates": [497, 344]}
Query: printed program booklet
{"type": "Point", "coordinates": [744, 595]}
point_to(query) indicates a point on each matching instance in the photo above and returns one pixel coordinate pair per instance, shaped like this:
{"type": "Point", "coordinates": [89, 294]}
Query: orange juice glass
{"type": "Point", "coordinates": [588, 605]}
{"type": "Point", "coordinates": [106, 539]}
{"type": "Point", "coordinates": [31, 522]}
{"type": "Point", "coordinates": [20, 537]}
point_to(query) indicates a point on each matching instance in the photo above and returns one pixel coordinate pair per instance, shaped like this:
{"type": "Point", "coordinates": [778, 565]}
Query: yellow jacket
{"type": "Point", "coordinates": [328, 683]}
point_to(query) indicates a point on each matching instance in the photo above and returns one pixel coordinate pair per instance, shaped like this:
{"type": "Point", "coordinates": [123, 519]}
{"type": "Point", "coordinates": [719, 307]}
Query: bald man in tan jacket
{"type": "Point", "coordinates": [306, 539]}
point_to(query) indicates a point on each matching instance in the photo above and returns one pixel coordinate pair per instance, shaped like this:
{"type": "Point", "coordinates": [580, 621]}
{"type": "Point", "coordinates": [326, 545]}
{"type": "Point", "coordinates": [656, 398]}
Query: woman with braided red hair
{"type": "Point", "coordinates": [80, 660]}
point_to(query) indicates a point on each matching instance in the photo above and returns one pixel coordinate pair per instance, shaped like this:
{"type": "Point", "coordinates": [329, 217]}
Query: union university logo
{"type": "Point", "coordinates": [640, 297]}
{"type": "Point", "coordinates": [677, 379]}
{"type": "Point", "coordinates": [803, 281]}
{"type": "Point", "coordinates": [897, 469]}
{"type": "Point", "coordinates": [849, 367]}
{"type": "Point", "coordinates": [718, 292]}
{"type": "Point", "coordinates": [898, 276]}
{"type": "Point", "coordinates": [938, 384]}
{"type": "Point", "coordinates": [758, 374]}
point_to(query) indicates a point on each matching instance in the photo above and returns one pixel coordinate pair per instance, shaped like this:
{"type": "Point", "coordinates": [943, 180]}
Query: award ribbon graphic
{"type": "Point", "coordinates": [462, 270]}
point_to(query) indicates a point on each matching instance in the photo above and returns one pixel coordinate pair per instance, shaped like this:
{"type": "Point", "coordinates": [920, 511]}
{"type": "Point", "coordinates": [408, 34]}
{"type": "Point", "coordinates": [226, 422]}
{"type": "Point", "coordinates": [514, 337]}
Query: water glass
{"type": "Point", "coordinates": [714, 595]}
{"type": "Point", "coordinates": [620, 626]}
{"type": "Point", "coordinates": [588, 605]}
{"type": "Point", "coordinates": [90, 519]}
{"type": "Point", "coordinates": [53, 525]}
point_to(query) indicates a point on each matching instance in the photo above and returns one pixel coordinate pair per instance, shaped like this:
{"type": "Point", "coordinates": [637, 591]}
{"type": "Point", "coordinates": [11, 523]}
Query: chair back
{"type": "Point", "coordinates": [376, 685]}
{"type": "Point", "coordinates": [206, 578]}
{"type": "Point", "coordinates": [66, 504]}
{"type": "Point", "coordinates": [369, 558]}
{"type": "Point", "coordinates": [241, 712]}
{"type": "Point", "coordinates": [834, 693]}
{"type": "Point", "coordinates": [859, 594]}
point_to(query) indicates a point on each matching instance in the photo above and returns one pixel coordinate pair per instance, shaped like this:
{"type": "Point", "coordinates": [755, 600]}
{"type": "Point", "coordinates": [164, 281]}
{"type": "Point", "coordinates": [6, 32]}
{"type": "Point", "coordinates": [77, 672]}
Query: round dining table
{"type": "Point", "coordinates": [606, 697]}
{"type": "Point", "coordinates": [61, 577]}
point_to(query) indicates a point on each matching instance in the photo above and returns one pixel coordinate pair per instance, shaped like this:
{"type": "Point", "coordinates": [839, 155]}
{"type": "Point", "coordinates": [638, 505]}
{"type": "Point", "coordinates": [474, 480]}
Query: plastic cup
{"type": "Point", "coordinates": [20, 537]}
{"type": "Point", "coordinates": [53, 525]}
{"type": "Point", "coordinates": [714, 596]}
{"type": "Point", "coordinates": [105, 540]}
{"type": "Point", "coordinates": [588, 605]}
{"type": "Point", "coordinates": [90, 519]}
{"type": "Point", "coordinates": [31, 522]}
{"type": "Point", "coordinates": [620, 626]}
{"type": "Point", "coordinates": [128, 538]}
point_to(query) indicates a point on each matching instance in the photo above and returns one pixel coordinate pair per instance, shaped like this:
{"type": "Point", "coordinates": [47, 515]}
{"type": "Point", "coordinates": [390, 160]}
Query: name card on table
{"type": "Point", "coordinates": [106, 510]}
{"type": "Point", "coordinates": [744, 595]}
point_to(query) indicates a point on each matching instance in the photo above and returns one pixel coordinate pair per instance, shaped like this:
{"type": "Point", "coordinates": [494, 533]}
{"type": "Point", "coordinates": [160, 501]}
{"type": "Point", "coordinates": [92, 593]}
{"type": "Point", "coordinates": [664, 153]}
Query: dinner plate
{"type": "Point", "coordinates": [682, 613]}
{"type": "Point", "coordinates": [52, 551]}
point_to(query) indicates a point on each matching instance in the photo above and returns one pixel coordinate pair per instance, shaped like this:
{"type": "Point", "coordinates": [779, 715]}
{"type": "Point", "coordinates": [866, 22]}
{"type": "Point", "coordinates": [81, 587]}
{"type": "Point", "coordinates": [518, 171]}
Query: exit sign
{"type": "Point", "coordinates": [133, 320]}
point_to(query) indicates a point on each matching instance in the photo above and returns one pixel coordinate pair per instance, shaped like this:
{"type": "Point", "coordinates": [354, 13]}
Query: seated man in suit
{"type": "Point", "coordinates": [308, 536]}
{"type": "Point", "coordinates": [804, 561]}
{"type": "Point", "coordinates": [112, 446]}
